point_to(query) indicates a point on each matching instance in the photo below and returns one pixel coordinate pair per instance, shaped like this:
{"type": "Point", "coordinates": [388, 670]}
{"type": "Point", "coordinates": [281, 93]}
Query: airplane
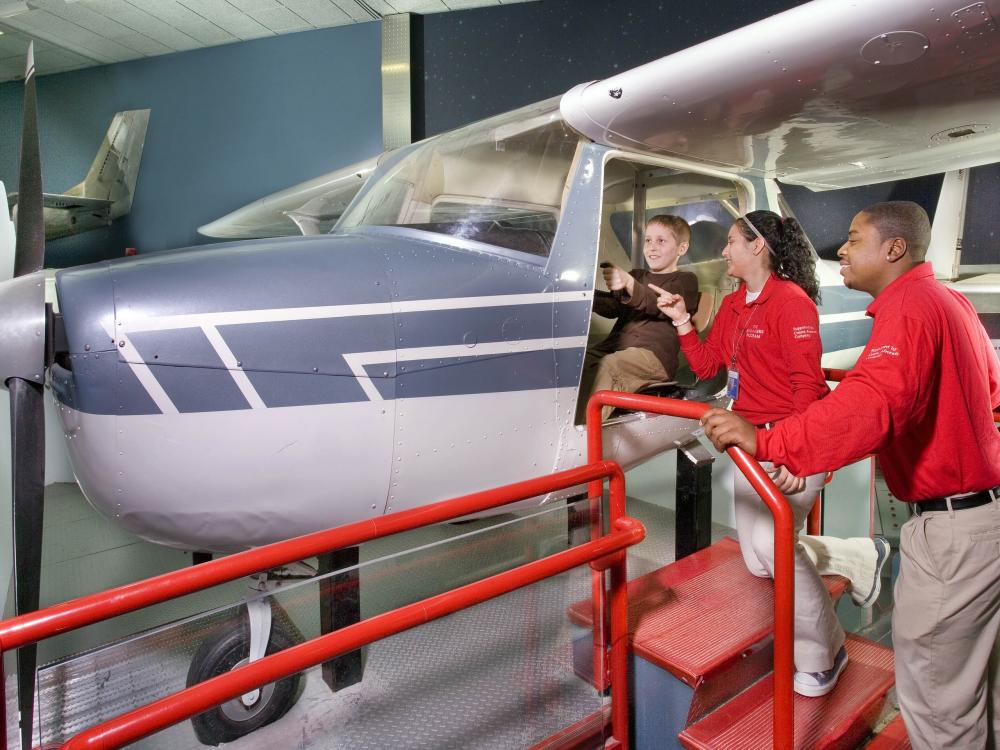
{"type": "Point", "coordinates": [430, 345]}
{"type": "Point", "coordinates": [105, 194]}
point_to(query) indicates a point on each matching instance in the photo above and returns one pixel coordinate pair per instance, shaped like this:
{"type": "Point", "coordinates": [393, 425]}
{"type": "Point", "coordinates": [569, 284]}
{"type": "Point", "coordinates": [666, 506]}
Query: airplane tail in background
{"type": "Point", "coordinates": [106, 192]}
{"type": "Point", "coordinates": [113, 174]}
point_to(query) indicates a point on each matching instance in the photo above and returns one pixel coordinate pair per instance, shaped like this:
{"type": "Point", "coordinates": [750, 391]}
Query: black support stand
{"type": "Point", "coordinates": [694, 499]}
{"type": "Point", "coordinates": [340, 606]}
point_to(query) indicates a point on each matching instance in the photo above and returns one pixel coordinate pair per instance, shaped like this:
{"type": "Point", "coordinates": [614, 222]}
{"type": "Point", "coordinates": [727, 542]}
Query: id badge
{"type": "Point", "coordinates": [733, 385]}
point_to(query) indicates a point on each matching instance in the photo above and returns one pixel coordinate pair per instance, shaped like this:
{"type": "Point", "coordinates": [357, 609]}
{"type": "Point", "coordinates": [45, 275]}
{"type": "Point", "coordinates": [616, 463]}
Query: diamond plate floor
{"type": "Point", "coordinates": [495, 676]}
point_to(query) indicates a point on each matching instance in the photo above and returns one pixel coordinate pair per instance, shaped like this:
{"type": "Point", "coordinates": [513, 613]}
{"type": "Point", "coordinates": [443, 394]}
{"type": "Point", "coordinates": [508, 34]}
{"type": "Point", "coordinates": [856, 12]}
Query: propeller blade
{"type": "Point", "coordinates": [28, 465]}
{"type": "Point", "coordinates": [30, 248]}
{"type": "Point", "coordinates": [27, 408]}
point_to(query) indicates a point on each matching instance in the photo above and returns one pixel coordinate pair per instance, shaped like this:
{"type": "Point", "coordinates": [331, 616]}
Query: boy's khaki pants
{"type": "Point", "coordinates": [627, 370]}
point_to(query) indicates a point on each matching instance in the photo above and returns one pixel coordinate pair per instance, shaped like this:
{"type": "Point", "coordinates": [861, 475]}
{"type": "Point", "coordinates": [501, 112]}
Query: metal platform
{"type": "Point", "coordinates": [498, 675]}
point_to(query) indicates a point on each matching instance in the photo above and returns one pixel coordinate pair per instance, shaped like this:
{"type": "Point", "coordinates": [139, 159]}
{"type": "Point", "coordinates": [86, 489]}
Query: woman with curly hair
{"type": "Point", "coordinates": [766, 334]}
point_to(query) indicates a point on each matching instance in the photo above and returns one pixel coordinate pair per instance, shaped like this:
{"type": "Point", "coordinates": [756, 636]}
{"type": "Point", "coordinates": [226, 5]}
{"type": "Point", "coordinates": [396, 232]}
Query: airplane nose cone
{"type": "Point", "coordinates": [22, 328]}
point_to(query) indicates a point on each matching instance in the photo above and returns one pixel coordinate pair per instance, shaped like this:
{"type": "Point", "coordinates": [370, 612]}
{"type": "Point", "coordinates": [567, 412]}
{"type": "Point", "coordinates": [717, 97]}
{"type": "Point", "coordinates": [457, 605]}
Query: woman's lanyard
{"type": "Point", "coordinates": [733, 381]}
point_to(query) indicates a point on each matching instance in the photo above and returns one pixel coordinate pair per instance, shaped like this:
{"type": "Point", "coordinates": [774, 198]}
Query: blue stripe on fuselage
{"type": "Point", "coordinates": [496, 373]}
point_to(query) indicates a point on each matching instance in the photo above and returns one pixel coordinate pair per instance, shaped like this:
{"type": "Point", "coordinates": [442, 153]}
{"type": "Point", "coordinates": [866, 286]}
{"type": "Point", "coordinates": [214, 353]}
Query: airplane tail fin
{"type": "Point", "coordinates": [112, 176]}
{"type": "Point", "coordinates": [945, 251]}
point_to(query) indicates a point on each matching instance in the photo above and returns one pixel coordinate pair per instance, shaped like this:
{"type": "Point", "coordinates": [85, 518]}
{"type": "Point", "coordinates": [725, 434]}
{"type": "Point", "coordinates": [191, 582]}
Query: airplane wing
{"type": "Point", "coordinates": [311, 207]}
{"type": "Point", "coordinates": [818, 95]}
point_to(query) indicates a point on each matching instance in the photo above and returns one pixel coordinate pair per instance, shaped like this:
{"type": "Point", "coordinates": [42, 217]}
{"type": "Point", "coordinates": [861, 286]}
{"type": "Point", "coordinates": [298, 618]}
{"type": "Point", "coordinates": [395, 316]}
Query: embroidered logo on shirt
{"type": "Point", "coordinates": [757, 332]}
{"type": "Point", "coordinates": [804, 332]}
{"type": "Point", "coordinates": [887, 350]}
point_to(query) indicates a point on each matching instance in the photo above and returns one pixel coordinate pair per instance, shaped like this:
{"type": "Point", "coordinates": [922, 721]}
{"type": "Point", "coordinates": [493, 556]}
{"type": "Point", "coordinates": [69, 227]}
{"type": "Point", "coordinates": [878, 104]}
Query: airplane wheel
{"type": "Point", "coordinates": [243, 715]}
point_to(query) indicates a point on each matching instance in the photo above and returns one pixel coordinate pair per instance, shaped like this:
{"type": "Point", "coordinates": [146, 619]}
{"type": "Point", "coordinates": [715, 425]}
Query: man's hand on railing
{"type": "Point", "coordinates": [788, 483]}
{"type": "Point", "coordinates": [725, 429]}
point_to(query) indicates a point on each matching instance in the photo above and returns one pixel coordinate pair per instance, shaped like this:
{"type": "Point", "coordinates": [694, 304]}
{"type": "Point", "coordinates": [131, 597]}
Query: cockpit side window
{"type": "Point", "coordinates": [499, 182]}
{"type": "Point", "coordinates": [635, 192]}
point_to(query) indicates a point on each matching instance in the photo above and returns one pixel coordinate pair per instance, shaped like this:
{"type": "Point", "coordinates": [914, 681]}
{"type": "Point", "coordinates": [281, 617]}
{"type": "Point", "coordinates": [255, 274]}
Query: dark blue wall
{"type": "Point", "coordinates": [228, 124]}
{"type": "Point", "coordinates": [485, 61]}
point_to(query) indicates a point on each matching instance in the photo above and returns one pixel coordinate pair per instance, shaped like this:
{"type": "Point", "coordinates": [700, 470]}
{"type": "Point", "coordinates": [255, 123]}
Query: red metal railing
{"type": "Point", "coordinates": [784, 538]}
{"type": "Point", "coordinates": [604, 553]}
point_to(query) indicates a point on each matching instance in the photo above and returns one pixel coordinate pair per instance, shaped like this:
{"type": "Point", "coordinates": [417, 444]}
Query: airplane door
{"type": "Point", "coordinates": [476, 375]}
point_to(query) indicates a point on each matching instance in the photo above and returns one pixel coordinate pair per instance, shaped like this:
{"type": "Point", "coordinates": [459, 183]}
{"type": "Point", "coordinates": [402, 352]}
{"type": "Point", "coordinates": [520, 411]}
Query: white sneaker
{"type": "Point", "coordinates": [865, 598]}
{"type": "Point", "coordinates": [815, 684]}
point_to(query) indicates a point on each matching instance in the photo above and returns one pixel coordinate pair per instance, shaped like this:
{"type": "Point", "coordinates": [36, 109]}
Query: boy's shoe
{"type": "Point", "coordinates": [815, 684]}
{"type": "Point", "coordinates": [866, 597]}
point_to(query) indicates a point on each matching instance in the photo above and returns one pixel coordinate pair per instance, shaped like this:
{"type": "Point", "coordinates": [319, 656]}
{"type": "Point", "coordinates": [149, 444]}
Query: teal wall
{"type": "Point", "coordinates": [228, 125]}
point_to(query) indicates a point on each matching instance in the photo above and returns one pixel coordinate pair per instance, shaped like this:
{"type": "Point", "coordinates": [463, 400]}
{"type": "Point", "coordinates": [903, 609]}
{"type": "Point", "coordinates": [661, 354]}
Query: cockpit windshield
{"type": "Point", "coordinates": [500, 181]}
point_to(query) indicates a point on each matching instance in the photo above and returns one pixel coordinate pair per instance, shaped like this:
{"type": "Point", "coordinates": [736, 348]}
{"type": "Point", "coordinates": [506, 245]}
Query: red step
{"type": "Point", "coordinates": [893, 737]}
{"type": "Point", "coordinates": [700, 615]}
{"type": "Point", "coordinates": [836, 721]}
{"type": "Point", "coordinates": [587, 734]}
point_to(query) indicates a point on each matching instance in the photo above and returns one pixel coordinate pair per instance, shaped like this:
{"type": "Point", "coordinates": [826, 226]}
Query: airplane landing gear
{"type": "Point", "coordinates": [258, 633]}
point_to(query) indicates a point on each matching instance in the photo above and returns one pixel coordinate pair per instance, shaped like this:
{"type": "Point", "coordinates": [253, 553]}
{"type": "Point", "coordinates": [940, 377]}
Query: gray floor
{"type": "Point", "coordinates": [495, 676]}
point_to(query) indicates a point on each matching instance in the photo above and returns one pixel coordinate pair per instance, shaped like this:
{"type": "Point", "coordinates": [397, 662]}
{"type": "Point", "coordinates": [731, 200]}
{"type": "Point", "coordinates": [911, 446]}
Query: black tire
{"type": "Point", "coordinates": [230, 649]}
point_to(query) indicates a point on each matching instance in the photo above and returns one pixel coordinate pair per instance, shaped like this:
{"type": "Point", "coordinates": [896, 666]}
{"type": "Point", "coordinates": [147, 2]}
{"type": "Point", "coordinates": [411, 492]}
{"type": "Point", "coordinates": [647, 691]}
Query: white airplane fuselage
{"type": "Point", "coordinates": [225, 397]}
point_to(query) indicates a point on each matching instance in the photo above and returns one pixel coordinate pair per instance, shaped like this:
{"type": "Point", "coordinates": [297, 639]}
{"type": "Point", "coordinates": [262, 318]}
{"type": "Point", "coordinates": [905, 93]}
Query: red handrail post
{"type": "Point", "coordinates": [3, 705]}
{"type": "Point", "coordinates": [618, 661]}
{"type": "Point", "coordinates": [784, 540]}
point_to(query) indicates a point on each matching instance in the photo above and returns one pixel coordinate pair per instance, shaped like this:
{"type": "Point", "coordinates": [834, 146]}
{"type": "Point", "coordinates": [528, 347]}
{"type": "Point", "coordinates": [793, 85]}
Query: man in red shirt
{"type": "Point", "coordinates": [921, 399]}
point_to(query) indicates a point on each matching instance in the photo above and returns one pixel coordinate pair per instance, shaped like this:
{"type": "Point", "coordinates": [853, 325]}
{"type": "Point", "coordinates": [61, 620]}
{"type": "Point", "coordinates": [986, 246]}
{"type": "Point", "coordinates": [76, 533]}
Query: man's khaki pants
{"type": "Point", "coordinates": [945, 622]}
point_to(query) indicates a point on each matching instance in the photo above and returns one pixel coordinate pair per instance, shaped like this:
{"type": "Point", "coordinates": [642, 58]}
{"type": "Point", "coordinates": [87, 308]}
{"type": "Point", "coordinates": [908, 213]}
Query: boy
{"type": "Point", "coordinates": [643, 345]}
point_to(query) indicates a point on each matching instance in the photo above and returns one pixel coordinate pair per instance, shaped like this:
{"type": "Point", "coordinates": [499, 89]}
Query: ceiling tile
{"type": "Point", "coordinates": [77, 33]}
{"type": "Point", "coordinates": [226, 17]}
{"type": "Point", "coordinates": [280, 20]}
{"type": "Point", "coordinates": [142, 44]}
{"type": "Point", "coordinates": [319, 13]}
{"type": "Point", "coordinates": [419, 6]}
{"type": "Point", "coordinates": [136, 20]}
{"type": "Point", "coordinates": [354, 11]}
{"type": "Point", "coordinates": [13, 45]}
{"type": "Point", "coordinates": [385, 7]}
{"type": "Point", "coordinates": [186, 21]}
{"type": "Point", "coordinates": [88, 19]}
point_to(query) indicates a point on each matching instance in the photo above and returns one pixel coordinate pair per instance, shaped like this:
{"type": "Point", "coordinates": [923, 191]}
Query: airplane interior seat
{"type": "Point", "coordinates": [524, 239]}
{"type": "Point", "coordinates": [702, 317]}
